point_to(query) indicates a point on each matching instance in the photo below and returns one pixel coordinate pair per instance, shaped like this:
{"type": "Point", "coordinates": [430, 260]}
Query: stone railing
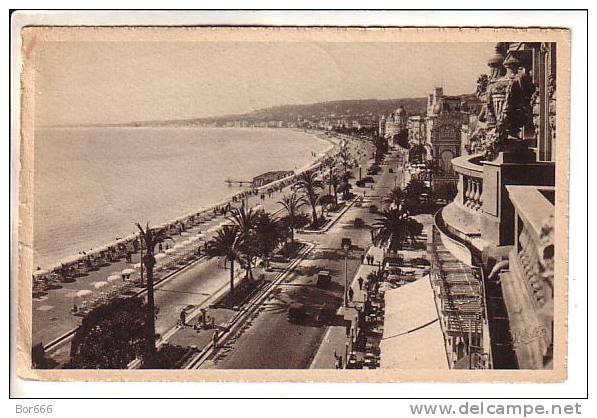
{"type": "Point", "coordinates": [532, 274]}
{"type": "Point", "coordinates": [452, 239]}
{"type": "Point", "coordinates": [470, 182]}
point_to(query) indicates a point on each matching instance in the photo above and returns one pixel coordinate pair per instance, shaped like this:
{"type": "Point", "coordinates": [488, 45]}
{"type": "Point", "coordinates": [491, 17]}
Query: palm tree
{"type": "Point", "coordinates": [292, 204]}
{"type": "Point", "coordinates": [330, 163]}
{"type": "Point", "coordinates": [268, 235]}
{"type": "Point", "coordinates": [344, 155]}
{"type": "Point", "coordinates": [345, 186]}
{"type": "Point", "coordinates": [246, 221]}
{"type": "Point", "coordinates": [310, 186]}
{"type": "Point", "coordinates": [414, 191]}
{"type": "Point", "coordinates": [225, 244]}
{"type": "Point", "coordinates": [151, 238]}
{"type": "Point", "coordinates": [391, 228]}
{"type": "Point", "coordinates": [396, 196]}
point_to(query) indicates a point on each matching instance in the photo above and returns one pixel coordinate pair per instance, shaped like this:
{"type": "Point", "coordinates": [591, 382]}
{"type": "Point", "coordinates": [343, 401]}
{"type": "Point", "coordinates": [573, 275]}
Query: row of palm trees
{"type": "Point", "coordinates": [311, 187]}
{"type": "Point", "coordinates": [251, 234]}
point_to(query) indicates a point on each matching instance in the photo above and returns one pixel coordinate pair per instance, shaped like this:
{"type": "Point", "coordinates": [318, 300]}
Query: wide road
{"type": "Point", "coordinates": [270, 340]}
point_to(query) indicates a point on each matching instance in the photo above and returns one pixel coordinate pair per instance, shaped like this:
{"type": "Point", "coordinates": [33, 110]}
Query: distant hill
{"type": "Point", "coordinates": [338, 109]}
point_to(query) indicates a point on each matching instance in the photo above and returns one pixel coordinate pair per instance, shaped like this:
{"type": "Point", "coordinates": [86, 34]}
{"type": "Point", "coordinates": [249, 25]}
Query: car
{"type": "Point", "coordinates": [324, 279]}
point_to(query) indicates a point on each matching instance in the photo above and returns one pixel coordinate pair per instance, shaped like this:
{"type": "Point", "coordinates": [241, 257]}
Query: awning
{"type": "Point", "coordinates": [412, 337]}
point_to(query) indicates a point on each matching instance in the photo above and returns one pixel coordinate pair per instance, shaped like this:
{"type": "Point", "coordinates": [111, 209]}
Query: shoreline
{"type": "Point", "coordinates": [208, 209]}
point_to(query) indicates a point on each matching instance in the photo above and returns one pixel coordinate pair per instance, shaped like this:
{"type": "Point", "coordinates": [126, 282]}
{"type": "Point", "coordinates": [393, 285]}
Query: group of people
{"type": "Point", "coordinates": [369, 258]}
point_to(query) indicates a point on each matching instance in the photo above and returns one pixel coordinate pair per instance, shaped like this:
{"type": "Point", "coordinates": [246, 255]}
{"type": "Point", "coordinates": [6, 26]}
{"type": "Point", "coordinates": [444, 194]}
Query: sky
{"type": "Point", "coordinates": [114, 82]}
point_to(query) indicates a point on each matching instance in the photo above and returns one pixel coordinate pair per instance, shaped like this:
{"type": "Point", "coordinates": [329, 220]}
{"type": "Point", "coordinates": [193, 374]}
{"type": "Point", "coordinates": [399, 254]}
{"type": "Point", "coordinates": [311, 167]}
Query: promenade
{"type": "Point", "coordinates": [188, 287]}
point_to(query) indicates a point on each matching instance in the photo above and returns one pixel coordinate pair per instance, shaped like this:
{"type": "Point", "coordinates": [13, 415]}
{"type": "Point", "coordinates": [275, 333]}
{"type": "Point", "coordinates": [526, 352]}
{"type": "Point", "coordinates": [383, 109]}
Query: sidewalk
{"type": "Point", "coordinates": [335, 339]}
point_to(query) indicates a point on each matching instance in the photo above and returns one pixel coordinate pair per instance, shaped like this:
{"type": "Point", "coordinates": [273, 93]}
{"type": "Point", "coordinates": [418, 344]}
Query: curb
{"type": "Point", "coordinates": [333, 221]}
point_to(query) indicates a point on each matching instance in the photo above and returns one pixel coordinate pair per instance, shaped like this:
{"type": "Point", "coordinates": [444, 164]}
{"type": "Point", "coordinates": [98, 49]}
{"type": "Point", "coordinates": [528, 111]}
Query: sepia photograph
{"type": "Point", "coordinates": [293, 204]}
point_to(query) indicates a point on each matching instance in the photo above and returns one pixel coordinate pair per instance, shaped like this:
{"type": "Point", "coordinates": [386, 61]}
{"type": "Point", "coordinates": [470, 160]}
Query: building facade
{"type": "Point", "coordinates": [503, 214]}
{"type": "Point", "coordinates": [443, 123]}
{"type": "Point", "coordinates": [395, 124]}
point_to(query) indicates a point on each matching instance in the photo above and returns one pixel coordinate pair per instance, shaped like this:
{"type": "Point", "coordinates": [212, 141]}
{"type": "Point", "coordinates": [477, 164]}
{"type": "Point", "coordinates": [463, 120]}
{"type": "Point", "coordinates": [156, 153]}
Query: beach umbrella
{"type": "Point", "coordinates": [39, 273]}
{"type": "Point", "coordinates": [83, 293]}
{"type": "Point", "coordinates": [99, 285]}
{"type": "Point", "coordinates": [113, 278]}
{"type": "Point", "coordinates": [385, 286]}
{"type": "Point", "coordinates": [128, 271]}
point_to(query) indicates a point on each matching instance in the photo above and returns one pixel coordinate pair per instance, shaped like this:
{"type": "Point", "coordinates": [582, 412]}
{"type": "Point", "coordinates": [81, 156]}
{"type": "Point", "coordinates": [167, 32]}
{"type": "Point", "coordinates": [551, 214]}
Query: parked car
{"type": "Point", "coordinates": [324, 279]}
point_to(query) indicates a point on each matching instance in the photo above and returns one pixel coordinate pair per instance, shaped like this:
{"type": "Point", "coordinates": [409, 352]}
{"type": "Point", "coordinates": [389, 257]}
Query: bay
{"type": "Point", "coordinates": [92, 184]}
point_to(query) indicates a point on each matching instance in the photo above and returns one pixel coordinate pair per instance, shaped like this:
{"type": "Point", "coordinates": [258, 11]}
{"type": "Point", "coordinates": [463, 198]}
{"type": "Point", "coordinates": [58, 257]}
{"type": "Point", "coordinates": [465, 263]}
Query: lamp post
{"type": "Point", "coordinates": [346, 248]}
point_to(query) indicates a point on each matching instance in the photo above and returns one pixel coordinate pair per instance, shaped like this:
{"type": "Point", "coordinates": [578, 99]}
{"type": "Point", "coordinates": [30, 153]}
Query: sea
{"type": "Point", "coordinates": [91, 184]}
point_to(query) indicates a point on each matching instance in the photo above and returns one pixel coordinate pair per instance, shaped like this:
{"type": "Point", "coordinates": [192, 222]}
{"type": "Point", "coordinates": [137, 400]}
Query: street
{"type": "Point", "coordinates": [270, 340]}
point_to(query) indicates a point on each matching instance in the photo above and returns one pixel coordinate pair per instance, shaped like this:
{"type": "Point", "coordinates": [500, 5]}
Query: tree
{"type": "Point", "coordinates": [413, 229]}
{"type": "Point", "coordinates": [246, 221]}
{"type": "Point", "coordinates": [344, 155]}
{"type": "Point", "coordinates": [345, 186]}
{"type": "Point", "coordinates": [292, 204]}
{"type": "Point", "coordinates": [111, 335]}
{"type": "Point", "coordinates": [224, 244]}
{"type": "Point", "coordinates": [330, 164]}
{"type": "Point", "coordinates": [151, 238]}
{"type": "Point", "coordinates": [396, 196]}
{"type": "Point", "coordinates": [401, 138]}
{"type": "Point", "coordinates": [268, 235]}
{"type": "Point", "coordinates": [417, 192]}
{"type": "Point", "coordinates": [310, 186]}
{"type": "Point", "coordinates": [326, 200]}
{"type": "Point", "coordinates": [391, 228]}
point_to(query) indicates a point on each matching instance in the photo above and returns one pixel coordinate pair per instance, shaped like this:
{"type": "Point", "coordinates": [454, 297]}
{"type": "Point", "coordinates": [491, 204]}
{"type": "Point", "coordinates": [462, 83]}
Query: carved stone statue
{"type": "Point", "coordinates": [507, 108]}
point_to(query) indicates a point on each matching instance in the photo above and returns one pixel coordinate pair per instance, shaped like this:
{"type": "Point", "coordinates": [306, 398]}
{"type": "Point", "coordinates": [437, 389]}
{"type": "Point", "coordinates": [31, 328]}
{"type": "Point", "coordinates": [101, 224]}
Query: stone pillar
{"type": "Point", "coordinates": [510, 167]}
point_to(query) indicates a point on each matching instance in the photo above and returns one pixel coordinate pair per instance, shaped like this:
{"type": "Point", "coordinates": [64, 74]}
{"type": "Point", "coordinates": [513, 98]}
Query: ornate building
{"type": "Point", "coordinates": [417, 135]}
{"type": "Point", "coordinates": [395, 124]}
{"type": "Point", "coordinates": [503, 215]}
{"type": "Point", "coordinates": [445, 117]}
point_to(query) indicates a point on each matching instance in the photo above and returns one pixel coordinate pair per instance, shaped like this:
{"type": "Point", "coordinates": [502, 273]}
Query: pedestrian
{"type": "Point", "coordinates": [183, 318]}
{"type": "Point", "coordinates": [360, 283]}
{"type": "Point", "coordinates": [372, 260]}
{"type": "Point", "coordinates": [215, 339]}
{"type": "Point", "coordinates": [363, 258]}
{"type": "Point", "coordinates": [350, 294]}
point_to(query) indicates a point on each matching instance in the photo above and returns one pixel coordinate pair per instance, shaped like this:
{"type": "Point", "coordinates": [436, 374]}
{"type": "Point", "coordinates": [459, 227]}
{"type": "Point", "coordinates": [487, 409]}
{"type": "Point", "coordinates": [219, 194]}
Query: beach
{"type": "Point", "coordinates": [93, 184]}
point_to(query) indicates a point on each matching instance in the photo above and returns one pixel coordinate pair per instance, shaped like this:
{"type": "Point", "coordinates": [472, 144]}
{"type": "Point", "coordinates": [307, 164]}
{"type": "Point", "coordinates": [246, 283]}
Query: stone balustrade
{"type": "Point", "coordinates": [531, 275]}
{"type": "Point", "coordinates": [470, 182]}
{"type": "Point", "coordinates": [472, 193]}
